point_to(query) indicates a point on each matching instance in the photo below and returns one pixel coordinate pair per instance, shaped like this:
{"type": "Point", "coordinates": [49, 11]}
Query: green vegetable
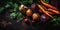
{"type": "Point", "coordinates": [46, 1]}
{"type": "Point", "coordinates": [13, 15]}
{"type": "Point", "coordinates": [6, 6]}
{"type": "Point", "coordinates": [56, 20]}
{"type": "Point", "coordinates": [1, 9]}
{"type": "Point", "coordinates": [15, 7]}
{"type": "Point", "coordinates": [25, 1]}
{"type": "Point", "coordinates": [20, 16]}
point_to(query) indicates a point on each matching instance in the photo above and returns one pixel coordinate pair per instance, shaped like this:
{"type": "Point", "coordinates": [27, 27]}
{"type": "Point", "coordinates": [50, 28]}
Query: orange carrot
{"type": "Point", "coordinates": [40, 7]}
{"type": "Point", "coordinates": [55, 11]}
{"type": "Point", "coordinates": [48, 5]}
{"type": "Point", "coordinates": [40, 11]}
{"type": "Point", "coordinates": [49, 12]}
{"type": "Point", "coordinates": [46, 11]}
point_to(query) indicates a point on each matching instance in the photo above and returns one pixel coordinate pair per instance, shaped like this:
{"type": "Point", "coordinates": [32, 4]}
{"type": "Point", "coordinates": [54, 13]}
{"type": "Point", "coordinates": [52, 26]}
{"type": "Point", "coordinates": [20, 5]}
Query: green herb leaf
{"type": "Point", "coordinates": [1, 9]}
{"type": "Point", "coordinates": [13, 15]}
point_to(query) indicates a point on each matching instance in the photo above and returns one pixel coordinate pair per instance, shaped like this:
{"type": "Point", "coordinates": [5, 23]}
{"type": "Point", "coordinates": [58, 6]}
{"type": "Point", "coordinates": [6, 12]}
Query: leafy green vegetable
{"type": "Point", "coordinates": [1, 9]}
{"type": "Point", "coordinates": [56, 20]}
{"type": "Point", "coordinates": [13, 15]}
{"type": "Point", "coordinates": [15, 7]}
{"type": "Point", "coordinates": [20, 16]}
{"type": "Point", "coordinates": [46, 1]}
{"type": "Point", "coordinates": [6, 6]}
{"type": "Point", "coordinates": [25, 1]}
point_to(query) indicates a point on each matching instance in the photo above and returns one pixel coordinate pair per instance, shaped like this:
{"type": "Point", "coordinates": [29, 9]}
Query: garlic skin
{"type": "Point", "coordinates": [23, 8]}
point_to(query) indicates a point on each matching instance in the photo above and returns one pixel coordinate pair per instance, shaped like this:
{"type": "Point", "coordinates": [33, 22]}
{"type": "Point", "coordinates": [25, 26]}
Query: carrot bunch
{"type": "Point", "coordinates": [51, 9]}
{"type": "Point", "coordinates": [43, 10]}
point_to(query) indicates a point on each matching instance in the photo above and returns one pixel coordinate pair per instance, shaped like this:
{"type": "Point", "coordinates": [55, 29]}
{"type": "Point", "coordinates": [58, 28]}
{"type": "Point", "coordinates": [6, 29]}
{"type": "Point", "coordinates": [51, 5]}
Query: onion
{"type": "Point", "coordinates": [29, 12]}
{"type": "Point", "coordinates": [35, 16]}
{"type": "Point", "coordinates": [44, 18]}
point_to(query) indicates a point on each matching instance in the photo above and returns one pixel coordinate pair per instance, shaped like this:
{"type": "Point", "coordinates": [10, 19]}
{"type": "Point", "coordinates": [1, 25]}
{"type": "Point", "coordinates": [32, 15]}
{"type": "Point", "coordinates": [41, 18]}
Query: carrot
{"type": "Point", "coordinates": [49, 12]}
{"type": "Point", "coordinates": [48, 5]}
{"type": "Point", "coordinates": [45, 8]}
{"type": "Point", "coordinates": [39, 11]}
{"type": "Point", "coordinates": [40, 7]}
{"type": "Point", "coordinates": [55, 11]}
{"type": "Point", "coordinates": [46, 11]}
